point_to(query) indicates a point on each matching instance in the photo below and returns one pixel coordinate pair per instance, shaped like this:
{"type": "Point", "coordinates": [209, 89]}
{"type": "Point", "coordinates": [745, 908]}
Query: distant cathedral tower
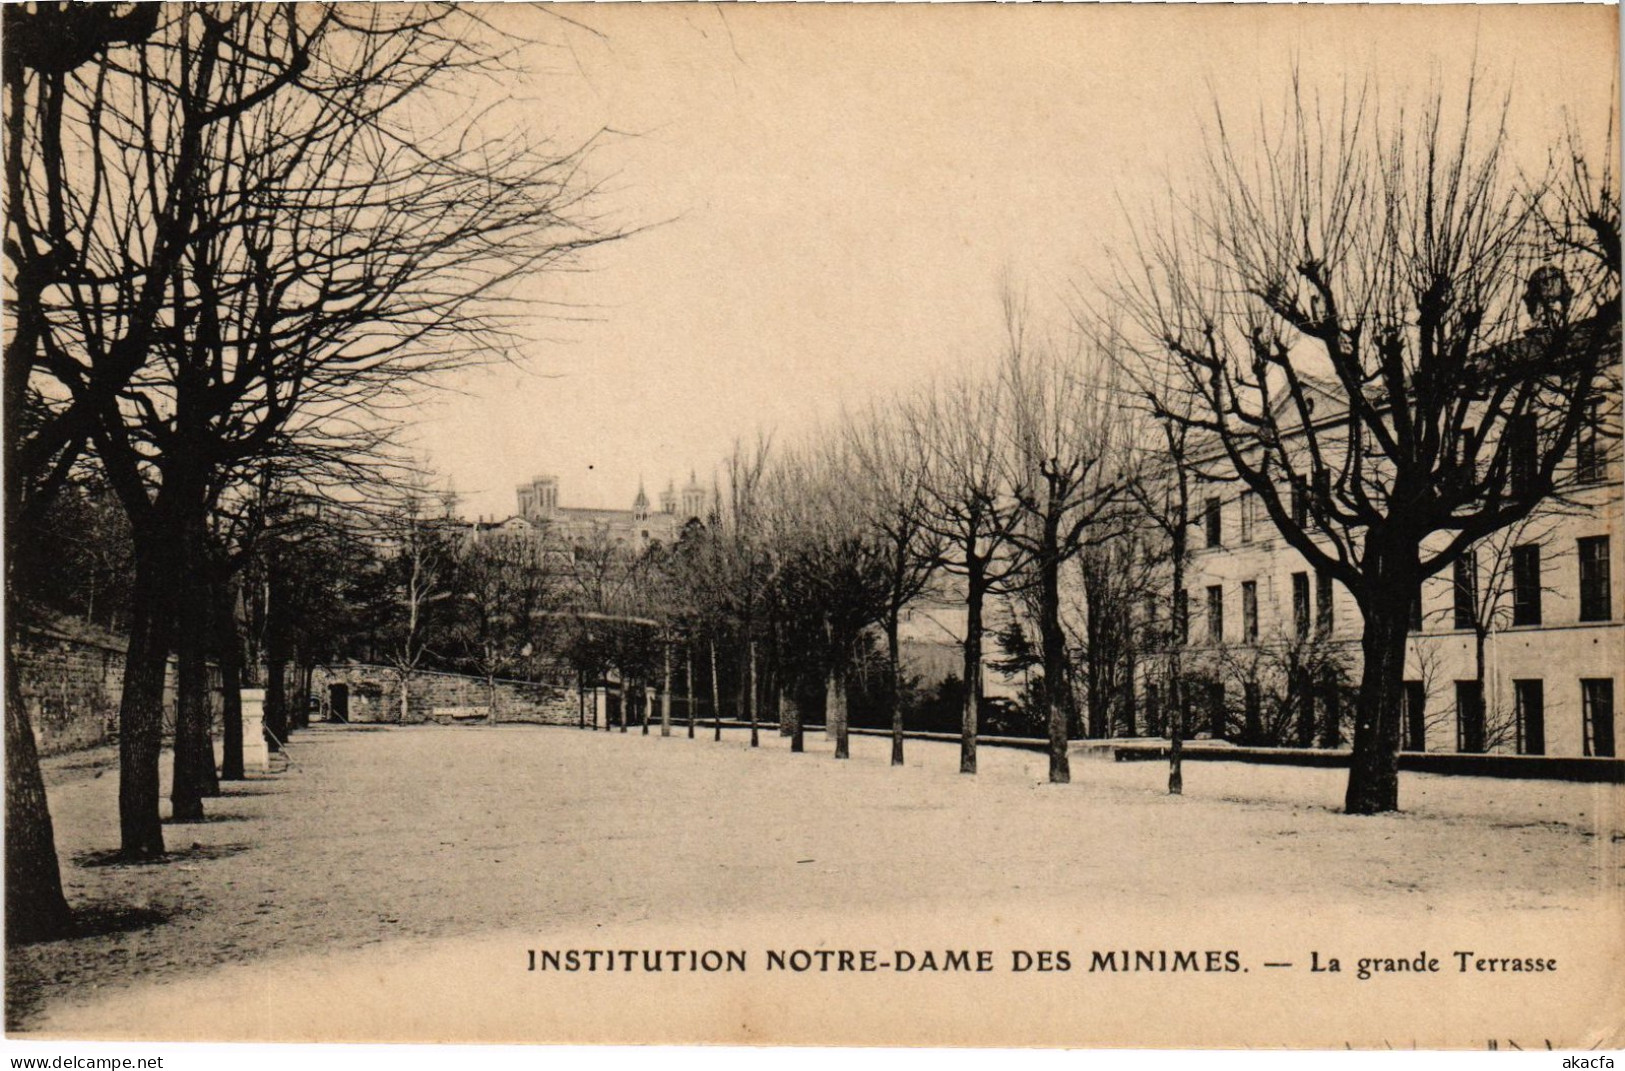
{"type": "Point", "coordinates": [640, 504]}
{"type": "Point", "coordinates": [693, 498]}
{"type": "Point", "coordinates": [539, 499]}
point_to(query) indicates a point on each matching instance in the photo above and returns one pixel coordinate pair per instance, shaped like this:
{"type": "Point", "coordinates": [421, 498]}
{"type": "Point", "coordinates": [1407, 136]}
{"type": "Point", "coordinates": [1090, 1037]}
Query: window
{"type": "Point", "coordinates": [1323, 603]}
{"type": "Point", "coordinates": [1414, 700]}
{"type": "Point", "coordinates": [1212, 519]}
{"type": "Point", "coordinates": [1321, 504]}
{"type": "Point", "coordinates": [1249, 611]}
{"type": "Point", "coordinates": [1153, 710]}
{"type": "Point", "coordinates": [1467, 453]}
{"type": "Point", "coordinates": [1589, 466]}
{"type": "Point", "coordinates": [1526, 584]}
{"type": "Point", "coordinates": [1215, 614]}
{"type": "Point", "coordinates": [1252, 712]}
{"type": "Point", "coordinates": [1215, 709]}
{"type": "Point", "coordinates": [1469, 717]}
{"type": "Point", "coordinates": [1416, 610]}
{"type": "Point", "coordinates": [1597, 697]}
{"type": "Point", "coordinates": [1466, 590]}
{"type": "Point", "coordinates": [1331, 711]}
{"type": "Point", "coordinates": [1596, 601]}
{"type": "Point", "coordinates": [1300, 604]}
{"type": "Point", "coordinates": [1300, 505]}
{"type": "Point", "coordinates": [1249, 515]}
{"type": "Point", "coordinates": [1521, 441]}
{"type": "Point", "coordinates": [1529, 701]}
{"type": "Point", "coordinates": [1182, 616]}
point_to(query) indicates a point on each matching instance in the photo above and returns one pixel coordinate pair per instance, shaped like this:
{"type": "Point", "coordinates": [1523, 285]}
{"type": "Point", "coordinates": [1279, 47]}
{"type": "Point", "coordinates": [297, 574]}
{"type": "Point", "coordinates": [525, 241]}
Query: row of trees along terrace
{"type": "Point", "coordinates": [230, 252]}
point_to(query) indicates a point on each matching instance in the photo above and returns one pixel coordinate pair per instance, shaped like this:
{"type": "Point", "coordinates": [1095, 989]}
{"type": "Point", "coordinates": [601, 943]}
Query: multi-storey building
{"type": "Point", "coordinates": [1520, 648]}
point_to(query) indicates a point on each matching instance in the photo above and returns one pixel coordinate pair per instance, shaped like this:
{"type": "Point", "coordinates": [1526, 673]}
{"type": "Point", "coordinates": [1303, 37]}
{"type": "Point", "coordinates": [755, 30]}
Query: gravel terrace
{"type": "Point", "coordinates": [387, 886]}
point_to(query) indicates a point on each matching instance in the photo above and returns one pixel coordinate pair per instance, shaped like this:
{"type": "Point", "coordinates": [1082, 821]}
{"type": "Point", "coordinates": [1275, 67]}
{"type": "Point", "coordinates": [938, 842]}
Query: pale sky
{"type": "Point", "coordinates": [845, 188]}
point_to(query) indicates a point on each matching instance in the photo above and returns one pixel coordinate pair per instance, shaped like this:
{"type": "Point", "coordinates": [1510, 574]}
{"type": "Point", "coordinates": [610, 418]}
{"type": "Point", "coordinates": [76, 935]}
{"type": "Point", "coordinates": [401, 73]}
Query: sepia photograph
{"type": "Point", "coordinates": [996, 526]}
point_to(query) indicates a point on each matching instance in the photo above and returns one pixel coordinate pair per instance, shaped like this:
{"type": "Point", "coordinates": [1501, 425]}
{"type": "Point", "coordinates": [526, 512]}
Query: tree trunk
{"type": "Point", "coordinates": [1130, 726]}
{"type": "Point", "coordinates": [141, 709]}
{"type": "Point", "coordinates": [1180, 618]}
{"type": "Point", "coordinates": [755, 696]}
{"type": "Point", "coordinates": [973, 672]}
{"type": "Point", "coordinates": [276, 700]}
{"type": "Point", "coordinates": [790, 717]}
{"type": "Point", "coordinates": [1049, 595]}
{"type": "Point", "coordinates": [1480, 635]}
{"type": "Point", "coordinates": [716, 697]}
{"type": "Point", "coordinates": [835, 708]}
{"type": "Point", "coordinates": [229, 653]}
{"type": "Point", "coordinates": [688, 684]}
{"type": "Point", "coordinates": [36, 910]}
{"type": "Point", "coordinates": [1374, 767]}
{"type": "Point", "coordinates": [1094, 629]}
{"type": "Point", "coordinates": [1176, 729]}
{"type": "Point", "coordinates": [293, 693]}
{"type": "Point", "coordinates": [665, 690]}
{"type": "Point", "coordinates": [781, 703]}
{"type": "Point", "coordinates": [194, 751]}
{"type": "Point", "coordinates": [775, 681]}
{"type": "Point", "coordinates": [894, 687]}
{"type": "Point", "coordinates": [194, 774]}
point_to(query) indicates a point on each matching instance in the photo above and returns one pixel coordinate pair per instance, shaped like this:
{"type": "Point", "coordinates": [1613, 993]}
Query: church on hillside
{"type": "Point", "coordinates": [633, 529]}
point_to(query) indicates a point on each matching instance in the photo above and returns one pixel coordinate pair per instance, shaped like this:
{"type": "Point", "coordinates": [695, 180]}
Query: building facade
{"type": "Point", "coordinates": [1519, 649]}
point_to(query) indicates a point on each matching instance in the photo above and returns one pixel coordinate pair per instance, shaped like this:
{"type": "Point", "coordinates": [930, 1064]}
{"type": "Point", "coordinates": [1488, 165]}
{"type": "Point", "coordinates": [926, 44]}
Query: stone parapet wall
{"type": "Point", "coordinates": [71, 685]}
{"type": "Point", "coordinates": [372, 693]}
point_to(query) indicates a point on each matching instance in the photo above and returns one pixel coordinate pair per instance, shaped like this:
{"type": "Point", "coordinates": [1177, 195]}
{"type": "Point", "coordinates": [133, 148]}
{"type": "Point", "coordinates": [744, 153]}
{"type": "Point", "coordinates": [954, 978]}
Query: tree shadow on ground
{"type": "Point", "coordinates": [112, 857]}
{"type": "Point", "coordinates": [24, 994]}
{"type": "Point", "coordinates": [208, 819]}
{"type": "Point", "coordinates": [244, 788]}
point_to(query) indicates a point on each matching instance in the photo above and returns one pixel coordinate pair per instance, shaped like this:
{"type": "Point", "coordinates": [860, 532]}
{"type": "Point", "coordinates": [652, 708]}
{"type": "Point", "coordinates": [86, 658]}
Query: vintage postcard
{"type": "Point", "coordinates": [797, 524]}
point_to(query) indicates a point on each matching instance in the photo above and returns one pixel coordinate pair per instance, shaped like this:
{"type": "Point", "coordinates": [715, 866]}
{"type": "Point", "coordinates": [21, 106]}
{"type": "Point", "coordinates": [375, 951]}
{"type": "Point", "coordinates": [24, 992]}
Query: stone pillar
{"type": "Point", "coordinates": [256, 756]}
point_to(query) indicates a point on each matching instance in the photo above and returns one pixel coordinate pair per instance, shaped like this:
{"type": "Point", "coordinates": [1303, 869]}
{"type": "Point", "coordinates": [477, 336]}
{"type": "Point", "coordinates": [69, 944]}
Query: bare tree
{"type": "Point", "coordinates": [893, 468]}
{"type": "Point", "coordinates": [972, 509]}
{"type": "Point", "coordinates": [422, 553]}
{"type": "Point", "coordinates": [1380, 341]}
{"type": "Point", "coordinates": [832, 567]}
{"type": "Point", "coordinates": [1069, 460]}
{"type": "Point", "coordinates": [511, 588]}
{"type": "Point", "coordinates": [330, 254]}
{"type": "Point", "coordinates": [1161, 493]}
{"type": "Point", "coordinates": [1116, 638]}
{"type": "Point", "coordinates": [44, 49]}
{"type": "Point", "coordinates": [742, 568]}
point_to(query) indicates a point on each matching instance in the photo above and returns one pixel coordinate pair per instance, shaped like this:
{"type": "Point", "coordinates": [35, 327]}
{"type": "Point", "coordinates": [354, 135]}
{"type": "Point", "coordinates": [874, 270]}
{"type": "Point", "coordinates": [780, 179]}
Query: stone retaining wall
{"type": "Point", "coordinates": [71, 685]}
